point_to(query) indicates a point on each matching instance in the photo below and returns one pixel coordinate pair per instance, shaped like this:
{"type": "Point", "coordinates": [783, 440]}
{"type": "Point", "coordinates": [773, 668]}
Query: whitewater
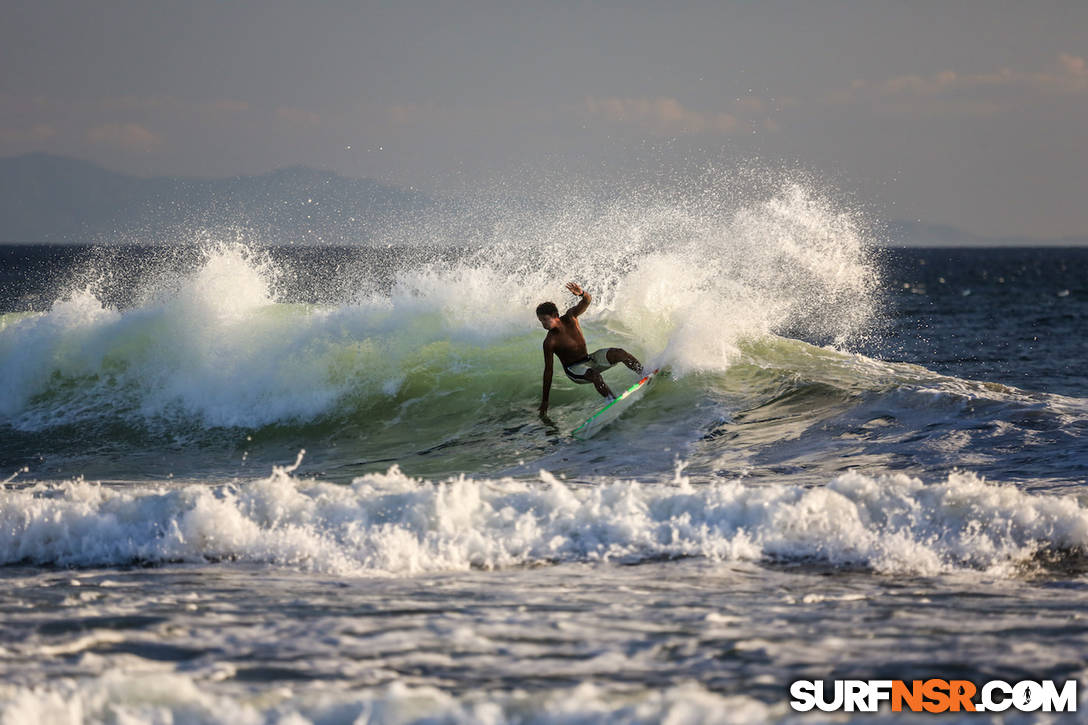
{"type": "Point", "coordinates": [252, 484]}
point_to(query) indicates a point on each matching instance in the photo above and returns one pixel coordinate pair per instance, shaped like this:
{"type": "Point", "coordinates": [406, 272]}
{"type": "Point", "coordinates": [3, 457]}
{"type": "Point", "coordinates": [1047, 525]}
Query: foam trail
{"type": "Point", "coordinates": [396, 525]}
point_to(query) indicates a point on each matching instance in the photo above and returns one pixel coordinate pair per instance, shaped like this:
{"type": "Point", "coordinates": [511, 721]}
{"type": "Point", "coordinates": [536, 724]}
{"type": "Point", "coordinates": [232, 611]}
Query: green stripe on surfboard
{"type": "Point", "coordinates": [612, 410]}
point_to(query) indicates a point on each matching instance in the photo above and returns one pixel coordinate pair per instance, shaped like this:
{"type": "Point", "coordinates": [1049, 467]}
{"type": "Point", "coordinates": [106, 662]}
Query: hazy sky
{"type": "Point", "coordinates": [966, 113]}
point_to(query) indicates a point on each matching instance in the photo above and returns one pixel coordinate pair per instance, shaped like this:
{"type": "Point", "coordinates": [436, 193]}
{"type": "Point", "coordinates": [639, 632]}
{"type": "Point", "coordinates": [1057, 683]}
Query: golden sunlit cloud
{"type": "Point", "coordinates": [660, 115]}
{"type": "Point", "coordinates": [124, 136]}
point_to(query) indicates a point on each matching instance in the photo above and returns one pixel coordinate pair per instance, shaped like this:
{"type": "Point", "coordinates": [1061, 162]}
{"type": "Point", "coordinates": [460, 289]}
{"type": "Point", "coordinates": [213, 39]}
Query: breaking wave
{"type": "Point", "coordinates": [392, 524]}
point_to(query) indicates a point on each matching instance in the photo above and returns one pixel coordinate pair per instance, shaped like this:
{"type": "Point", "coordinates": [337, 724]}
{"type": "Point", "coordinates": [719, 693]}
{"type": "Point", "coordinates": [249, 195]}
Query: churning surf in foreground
{"type": "Point", "coordinates": [848, 453]}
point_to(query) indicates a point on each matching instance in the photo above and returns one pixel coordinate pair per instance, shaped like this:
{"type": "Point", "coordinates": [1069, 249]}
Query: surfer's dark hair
{"type": "Point", "coordinates": [547, 308]}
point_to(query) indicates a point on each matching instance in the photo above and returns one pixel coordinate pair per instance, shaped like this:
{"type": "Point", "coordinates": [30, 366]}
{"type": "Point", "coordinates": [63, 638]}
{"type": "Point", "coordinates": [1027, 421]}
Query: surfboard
{"type": "Point", "coordinates": [614, 409]}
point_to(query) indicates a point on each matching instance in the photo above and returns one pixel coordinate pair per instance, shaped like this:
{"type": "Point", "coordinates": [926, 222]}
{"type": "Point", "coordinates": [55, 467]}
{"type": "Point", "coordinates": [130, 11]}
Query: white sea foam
{"type": "Point", "coordinates": [166, 698]}
{"type": "Point", "coordinates": [391, 524]}
{"type": "Point", "coordinates": [219, 349]}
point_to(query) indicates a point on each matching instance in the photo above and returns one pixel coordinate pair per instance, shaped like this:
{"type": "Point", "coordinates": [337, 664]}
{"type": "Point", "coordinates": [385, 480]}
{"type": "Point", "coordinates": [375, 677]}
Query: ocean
{"type": "Point", "coordinates": [251, 484]}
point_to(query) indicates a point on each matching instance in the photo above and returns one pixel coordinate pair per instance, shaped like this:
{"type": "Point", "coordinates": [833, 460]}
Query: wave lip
{"type": "Point", "coordinates": [391, 524]}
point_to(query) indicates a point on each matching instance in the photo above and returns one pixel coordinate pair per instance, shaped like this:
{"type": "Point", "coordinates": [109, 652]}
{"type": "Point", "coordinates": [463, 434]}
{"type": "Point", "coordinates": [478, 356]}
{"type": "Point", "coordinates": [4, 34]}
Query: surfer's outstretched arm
{"type": "Point", "coordinates": [581, 306]}
{"type": "Point", "coordinates": [547, 376]}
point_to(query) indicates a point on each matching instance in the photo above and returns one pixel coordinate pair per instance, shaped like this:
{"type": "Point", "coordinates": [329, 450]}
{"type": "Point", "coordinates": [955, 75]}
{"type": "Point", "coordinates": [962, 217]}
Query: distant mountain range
{"type": "Point", "coordinates": [54, 199]}
{"type": "Point", "coordinates": [921, 234]}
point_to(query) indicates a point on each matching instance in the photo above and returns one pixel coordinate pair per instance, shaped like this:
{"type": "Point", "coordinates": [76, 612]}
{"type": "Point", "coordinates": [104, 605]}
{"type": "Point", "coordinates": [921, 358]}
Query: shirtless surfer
{"type": "Point", "coordinates": [565, 341]}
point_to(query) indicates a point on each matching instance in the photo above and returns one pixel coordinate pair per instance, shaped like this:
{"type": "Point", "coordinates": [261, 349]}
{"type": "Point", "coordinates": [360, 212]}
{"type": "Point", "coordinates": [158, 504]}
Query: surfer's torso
{"type": "Point", "coordinates": [567, 341]}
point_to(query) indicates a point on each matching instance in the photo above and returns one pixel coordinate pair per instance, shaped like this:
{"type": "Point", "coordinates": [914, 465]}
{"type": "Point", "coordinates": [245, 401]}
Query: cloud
{"type": "Point", "coordinates": [949, 91]}
{"type": "Point", "coordinates": [423, 114]}
{"type": "Point", "coordinates": [1073, 73]}
{"type": "Point", "coordinates": [138, 108]}
{"type": "Point", "coordinates": [37, 133]}
{"type": "Point", "coordinates": [297, 116]}
{"type": "Point", "coordinates": [751, 104]}
{"type": "Point", "coordinates": [159, 105]}
{"type": "Point", "coordinates": [472, 119]}
{"type": "Point", "coordinates": [1070, 76]}
{"type": "Point", "coordinates": [227, 105]}
{"type": "Point", "coordinates": [660, 115]}
{"type": "Point", "coordinates": [407, 114]}
{"type": "Point", "coordinates": [69, 125]}
{"type": "Point", "coordinates": [124, 136]}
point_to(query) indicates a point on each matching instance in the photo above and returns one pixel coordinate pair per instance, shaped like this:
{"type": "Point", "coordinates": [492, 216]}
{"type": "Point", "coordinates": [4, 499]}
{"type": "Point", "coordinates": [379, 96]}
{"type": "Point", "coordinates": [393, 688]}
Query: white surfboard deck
{"type": "Point", "coordinates": [614, 409]}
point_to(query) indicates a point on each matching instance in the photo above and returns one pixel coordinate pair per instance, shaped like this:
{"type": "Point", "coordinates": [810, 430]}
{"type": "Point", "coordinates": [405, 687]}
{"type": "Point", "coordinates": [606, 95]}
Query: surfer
{"type": "Point", "coordinates": [565, 341]}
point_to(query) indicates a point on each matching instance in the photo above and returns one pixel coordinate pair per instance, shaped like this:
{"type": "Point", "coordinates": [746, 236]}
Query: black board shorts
{"type": "Point", "coordinates": [598, 360]}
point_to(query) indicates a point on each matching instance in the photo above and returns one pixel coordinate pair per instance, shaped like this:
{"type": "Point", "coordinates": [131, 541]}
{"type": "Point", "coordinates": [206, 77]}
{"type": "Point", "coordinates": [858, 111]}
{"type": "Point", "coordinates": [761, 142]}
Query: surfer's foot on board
{"type": "Point", "coordinates": [606, 392]}
{"type": "Point", "coordinates": [599, 383]}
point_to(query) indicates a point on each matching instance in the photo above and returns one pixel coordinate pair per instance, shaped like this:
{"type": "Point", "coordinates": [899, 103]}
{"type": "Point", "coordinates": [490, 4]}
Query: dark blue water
{"type": "Point", "coordinates": [1014, 316]}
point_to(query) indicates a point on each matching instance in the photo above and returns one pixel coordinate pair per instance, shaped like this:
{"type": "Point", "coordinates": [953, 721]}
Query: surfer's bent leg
{"type": "Point", "coordinates": [619, 355]}
{"type": "Point", "coordinates": [598, 382]}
